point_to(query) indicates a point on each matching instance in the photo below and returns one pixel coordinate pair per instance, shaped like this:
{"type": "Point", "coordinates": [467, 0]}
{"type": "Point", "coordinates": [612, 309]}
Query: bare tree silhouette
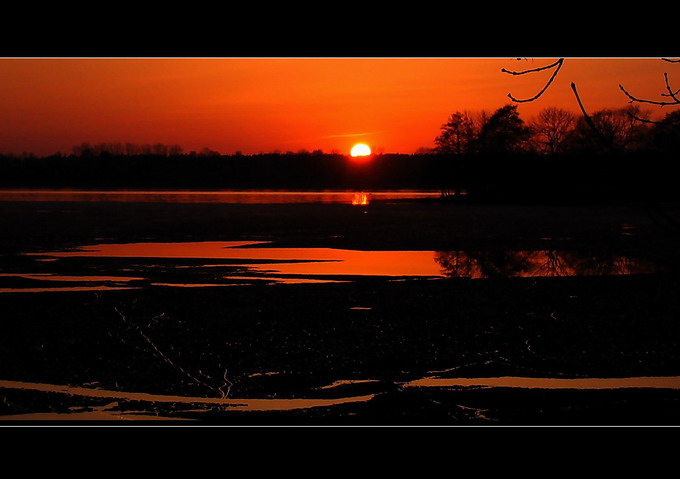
{"type": "Point", "coordinates": [552, 128]}
{"type": "Point", "coordinates": [554, 66]}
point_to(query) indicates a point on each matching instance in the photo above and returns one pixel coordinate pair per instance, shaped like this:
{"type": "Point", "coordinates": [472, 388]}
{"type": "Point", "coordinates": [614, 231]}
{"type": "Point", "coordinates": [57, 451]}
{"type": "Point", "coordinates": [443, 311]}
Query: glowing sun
{"type": "Point", "coordinates": [360, 149]}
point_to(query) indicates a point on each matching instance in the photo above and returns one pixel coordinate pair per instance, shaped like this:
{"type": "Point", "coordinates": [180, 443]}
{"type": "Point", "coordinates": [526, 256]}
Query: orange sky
{"type": "Point", "coordinates": [255, 105]}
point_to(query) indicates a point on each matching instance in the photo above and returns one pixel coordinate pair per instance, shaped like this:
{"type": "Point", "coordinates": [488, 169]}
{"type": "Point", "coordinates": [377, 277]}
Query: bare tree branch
{"type": "Point", "coordinates": [671, 94]}
{"type": "Point", "coordinates": [670, 90]}
{"type": "Point", "coordinates": [533, 70]}
{"type": "Point", "coordinates": [557, 66]}
{"type": "Point", "coordinates": [643, 120]}
{"type": "Point", "coordinates": [653, 122]}
{"type": "Point", "coordinates": [590, 122]}
{"type": "Point", "coordinates": [652, 102]}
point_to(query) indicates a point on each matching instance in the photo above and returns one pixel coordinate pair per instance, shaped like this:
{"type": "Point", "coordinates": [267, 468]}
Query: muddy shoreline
{"type": "Point", "coordinates": [368, 337]}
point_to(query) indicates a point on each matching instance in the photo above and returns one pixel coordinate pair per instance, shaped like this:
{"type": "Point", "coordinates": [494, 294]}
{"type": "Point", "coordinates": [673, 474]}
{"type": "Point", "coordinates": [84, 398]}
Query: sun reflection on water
{"type": "Point", "coordinates": [360, 199]}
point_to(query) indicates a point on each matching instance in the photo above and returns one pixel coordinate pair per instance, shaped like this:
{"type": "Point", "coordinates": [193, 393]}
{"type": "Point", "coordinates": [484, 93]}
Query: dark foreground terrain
{"type": "Point", "coordinates": [370, 351]}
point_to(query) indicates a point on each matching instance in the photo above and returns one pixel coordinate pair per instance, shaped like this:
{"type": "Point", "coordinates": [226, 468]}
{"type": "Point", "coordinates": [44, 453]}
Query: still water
{"type": "Point", "coordinates": [239, 263]}
{"type": "Point", "coordinates": [118, 408]}
{"type": "Point", "coordinates": [238, 197]}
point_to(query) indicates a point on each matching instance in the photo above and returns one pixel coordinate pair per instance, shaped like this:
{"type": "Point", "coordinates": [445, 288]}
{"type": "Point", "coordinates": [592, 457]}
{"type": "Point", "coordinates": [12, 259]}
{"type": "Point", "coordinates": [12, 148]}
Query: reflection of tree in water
{"type": "Point", "coordinates": [607, 263]}
{"type": "Point", "coordinates": [456, 264]}
{"type": "Point", "coordinates": [494, 264]}
{"type": "Point", "coordinates": [507, 264]}
{"type": "Point", "coordinates": [484, 264]}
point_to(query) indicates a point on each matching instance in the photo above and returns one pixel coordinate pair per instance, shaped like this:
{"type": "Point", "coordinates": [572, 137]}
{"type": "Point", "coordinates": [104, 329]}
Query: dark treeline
{"type": "Point", "coordinates": [557, 131]}
{"type": "Point", "coordinates": [559, 156]}
{"type": "Point", "coordinates": [302, 170]}
{"type": "Point", "coordinates": [496, 157]}
{"type": "Point", "coordinates": [562, 178]}
{"type": "Point", "coordinates": [520, 176]}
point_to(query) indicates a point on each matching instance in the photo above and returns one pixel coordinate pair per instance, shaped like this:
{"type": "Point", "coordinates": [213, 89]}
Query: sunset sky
{"type": "Point", "coordinates": [255, 105]}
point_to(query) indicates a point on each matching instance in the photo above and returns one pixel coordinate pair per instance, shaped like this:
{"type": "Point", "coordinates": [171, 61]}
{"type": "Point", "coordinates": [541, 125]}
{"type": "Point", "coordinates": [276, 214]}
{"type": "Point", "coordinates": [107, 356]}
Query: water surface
{"type": "Point", "coordinates": [229, 263]}
{"type": "Point", "coordinates": [234, 404]}
{"type": "Point", "coordinates": [654, 382]}
{"type": "Point", "coordinates": [231, 196]}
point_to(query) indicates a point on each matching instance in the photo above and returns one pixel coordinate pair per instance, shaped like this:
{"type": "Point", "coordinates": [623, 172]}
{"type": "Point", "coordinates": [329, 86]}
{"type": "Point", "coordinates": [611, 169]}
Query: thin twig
{"type": "Point", "coordinates": [227, 383]}
{"type": "Point", "coordinates": [670, 61]}
{"type": "Point", "coordinates": [557, 66]}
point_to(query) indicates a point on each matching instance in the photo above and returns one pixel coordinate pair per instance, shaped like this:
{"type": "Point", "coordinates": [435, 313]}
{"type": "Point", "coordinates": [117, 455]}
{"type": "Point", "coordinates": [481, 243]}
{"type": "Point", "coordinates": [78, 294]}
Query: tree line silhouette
{"type": "Point", "coordinates": [559, 131]}
{"type": "Point", "coordinates": [476, 157]}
